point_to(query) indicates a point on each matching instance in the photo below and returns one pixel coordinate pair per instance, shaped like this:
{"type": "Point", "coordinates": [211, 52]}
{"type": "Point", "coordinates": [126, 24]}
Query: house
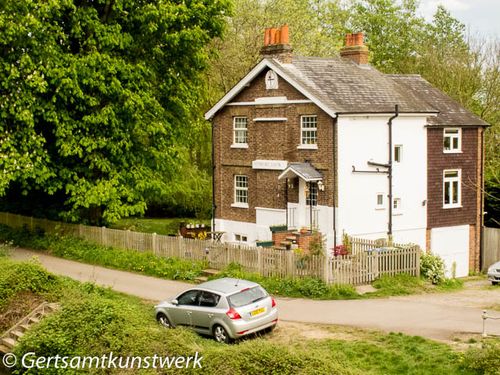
{"type": "Point", "coordinates": [335, 145]}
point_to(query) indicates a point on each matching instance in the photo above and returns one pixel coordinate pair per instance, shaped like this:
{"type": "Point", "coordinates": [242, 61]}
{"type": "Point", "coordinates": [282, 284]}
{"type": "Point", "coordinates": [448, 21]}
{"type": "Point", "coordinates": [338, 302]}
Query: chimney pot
{"type": "Point", "coordinates": [276, 44]}
{"type": "Point", "coordinates": [267, 36]}
{"type": "Point", "coordinates": [284, 34]}
{"type": "Point", "coordinates": [355, 49]}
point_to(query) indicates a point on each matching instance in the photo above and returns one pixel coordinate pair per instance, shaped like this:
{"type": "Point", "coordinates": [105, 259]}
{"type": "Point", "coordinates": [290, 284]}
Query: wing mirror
{"type": "Point", "coordinates": [174, 302]}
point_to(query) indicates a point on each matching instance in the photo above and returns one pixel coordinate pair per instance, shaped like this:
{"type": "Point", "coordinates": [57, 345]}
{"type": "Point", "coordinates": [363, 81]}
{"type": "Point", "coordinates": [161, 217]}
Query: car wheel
{"type": "Point", "coordinates": [494, 282]}
{"type": "Point", "coordinates": [163, 320]}
{"type": "Point", "coordinates": [221, 335]}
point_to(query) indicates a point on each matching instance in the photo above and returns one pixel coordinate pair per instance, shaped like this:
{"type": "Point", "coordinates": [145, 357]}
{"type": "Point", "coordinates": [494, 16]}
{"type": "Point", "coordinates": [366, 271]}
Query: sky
{"type": "Point", "coordinates": [481, 17]}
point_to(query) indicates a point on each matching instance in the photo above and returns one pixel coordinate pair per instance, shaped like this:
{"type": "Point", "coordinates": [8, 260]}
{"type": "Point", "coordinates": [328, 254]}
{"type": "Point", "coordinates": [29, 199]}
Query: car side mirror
{"type": "Point", "coordinates": [174, 302]}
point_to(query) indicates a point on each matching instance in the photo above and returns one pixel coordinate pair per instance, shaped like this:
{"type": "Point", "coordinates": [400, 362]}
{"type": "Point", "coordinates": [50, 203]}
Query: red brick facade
{"type": "Point", "coordinates": [268, 140]}
{"type": "Point", "coordinates": [468, 161]}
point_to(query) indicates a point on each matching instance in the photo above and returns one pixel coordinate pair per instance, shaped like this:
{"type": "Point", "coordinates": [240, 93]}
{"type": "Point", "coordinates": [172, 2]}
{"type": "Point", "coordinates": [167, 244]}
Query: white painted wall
{"type": "Point", "coordinates": [364, 138]}
{"type": "Point", "coordinates": [452, 244]}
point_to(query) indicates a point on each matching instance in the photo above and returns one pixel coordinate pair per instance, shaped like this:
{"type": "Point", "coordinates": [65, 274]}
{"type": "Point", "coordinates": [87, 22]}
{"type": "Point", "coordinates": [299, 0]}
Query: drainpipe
{"type": "Point", "coordinates": [213, 178]}
{"type": "Point", "coordinates": [334, 179]}
{"type": "Point", "coordinates": [396, 114]}
{"type": "Point", "coordinates": [481, 205]}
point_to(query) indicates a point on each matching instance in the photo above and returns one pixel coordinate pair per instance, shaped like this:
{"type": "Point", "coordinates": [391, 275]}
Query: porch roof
{"type": "Point", "coordinates": [304, 171]}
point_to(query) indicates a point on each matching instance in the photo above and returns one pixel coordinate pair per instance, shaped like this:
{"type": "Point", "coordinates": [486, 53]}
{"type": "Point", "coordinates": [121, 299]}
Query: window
{"type": "Point", "coordinates": [398, 149]}
{"type": "Point", "coordinates": [241, 191]}
{"type": "Point", "coordinates": [308, 129]}
{"type": "Point", "coordinates": [191, 298]}
{"type": "Point", "coordinates": [396, 206]}
{"type": "Point", "coordinates": [240, 238]}
{"type": "Point", "coordinates": [451, 188]}
{"type": "Point", "coordinates": [208, 299]}
{"type": "Point", "coordinates": [452, 140]}
{"type": "Point", "coordinates": [380, 201]}
{"type": "Point", "coordinates": [312, 195]}
{"type": "Point", "coordinates": [240, 130]}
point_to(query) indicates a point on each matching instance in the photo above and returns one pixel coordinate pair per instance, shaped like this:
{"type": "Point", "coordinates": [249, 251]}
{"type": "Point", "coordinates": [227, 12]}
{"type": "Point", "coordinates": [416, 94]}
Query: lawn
{"type": "Point", "coordinates": [95, 321]}
{"type": "Point", "coordinates": [168, 226]}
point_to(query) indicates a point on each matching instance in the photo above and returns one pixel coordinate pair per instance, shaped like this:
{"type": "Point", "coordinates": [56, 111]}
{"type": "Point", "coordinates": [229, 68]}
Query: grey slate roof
{"type": "Point", "coordinates": [303, 170]}
{"type": "Point", "coordinates": [450, 111]}
{"type": "Point", "coordinates": [346, 87]}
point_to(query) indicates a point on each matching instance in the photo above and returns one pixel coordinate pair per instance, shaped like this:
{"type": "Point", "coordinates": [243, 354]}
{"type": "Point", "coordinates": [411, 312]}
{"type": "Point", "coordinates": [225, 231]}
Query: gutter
{"type": "Point", "coordinates": [389, 166]}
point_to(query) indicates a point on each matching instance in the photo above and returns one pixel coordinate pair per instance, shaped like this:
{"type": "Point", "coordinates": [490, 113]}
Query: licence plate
{"type": "Point", "coordinates": [257, 312]}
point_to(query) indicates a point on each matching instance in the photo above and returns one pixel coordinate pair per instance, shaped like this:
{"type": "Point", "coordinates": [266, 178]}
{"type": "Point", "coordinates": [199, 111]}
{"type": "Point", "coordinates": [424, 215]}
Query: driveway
{"type": "Point", "coordinates": [438, 316]}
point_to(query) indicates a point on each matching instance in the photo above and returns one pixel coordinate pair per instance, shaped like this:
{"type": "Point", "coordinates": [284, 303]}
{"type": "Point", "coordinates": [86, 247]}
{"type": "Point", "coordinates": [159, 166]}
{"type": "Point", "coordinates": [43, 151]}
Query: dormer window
{"type": "Point", "coordinates": [452, 140]}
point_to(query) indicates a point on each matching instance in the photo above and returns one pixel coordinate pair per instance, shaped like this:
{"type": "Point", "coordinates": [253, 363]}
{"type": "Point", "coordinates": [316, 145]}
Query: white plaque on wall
{"type": "Point", "coordinates": [277, 165]}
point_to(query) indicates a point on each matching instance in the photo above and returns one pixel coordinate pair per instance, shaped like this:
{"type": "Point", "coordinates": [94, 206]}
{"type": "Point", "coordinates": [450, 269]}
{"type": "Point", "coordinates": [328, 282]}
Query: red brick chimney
{"type": "Point", "coordinates": [276, 44]}
{"type": "Point", "coordinates": [355, 48]}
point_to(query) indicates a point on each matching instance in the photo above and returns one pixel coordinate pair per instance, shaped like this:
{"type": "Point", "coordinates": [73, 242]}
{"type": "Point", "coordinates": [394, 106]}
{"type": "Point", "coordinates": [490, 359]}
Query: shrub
{"type": "Point", "coordinates": [432, 268]}
{"type": "Point", "coordinates": [485, 360]}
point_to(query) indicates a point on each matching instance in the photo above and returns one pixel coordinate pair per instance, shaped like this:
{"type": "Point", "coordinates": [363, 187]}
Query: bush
{"type": "Point", "coordinates": [485, 360]}
{"type": "Point", "coordinates": [432, 268]}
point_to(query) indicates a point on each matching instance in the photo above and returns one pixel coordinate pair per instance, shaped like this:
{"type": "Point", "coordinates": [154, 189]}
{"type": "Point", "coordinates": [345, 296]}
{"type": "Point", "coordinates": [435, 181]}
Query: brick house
{"type": "Point", "coordinates": [335, 145]}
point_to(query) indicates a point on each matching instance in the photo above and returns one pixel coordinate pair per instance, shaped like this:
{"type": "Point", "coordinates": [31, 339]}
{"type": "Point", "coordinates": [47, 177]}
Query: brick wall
{"type": "Point", "coordinates": [469, 161]}
{"type": "Point", "coordinates": [274, 140]}
{"type": "Point", "coordinates": [438, 161]}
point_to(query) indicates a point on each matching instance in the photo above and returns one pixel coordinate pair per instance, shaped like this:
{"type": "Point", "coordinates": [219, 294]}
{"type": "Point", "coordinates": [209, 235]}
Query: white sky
{"type": "Point", "coordinates": [481, 17]}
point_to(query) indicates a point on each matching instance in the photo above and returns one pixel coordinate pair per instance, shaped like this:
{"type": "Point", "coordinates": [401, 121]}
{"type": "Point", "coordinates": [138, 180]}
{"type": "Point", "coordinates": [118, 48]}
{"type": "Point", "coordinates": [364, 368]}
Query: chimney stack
{"type": "Point", "coordinates": [355, 48]}
{"type": "Point", "coordinates": [276, 44]}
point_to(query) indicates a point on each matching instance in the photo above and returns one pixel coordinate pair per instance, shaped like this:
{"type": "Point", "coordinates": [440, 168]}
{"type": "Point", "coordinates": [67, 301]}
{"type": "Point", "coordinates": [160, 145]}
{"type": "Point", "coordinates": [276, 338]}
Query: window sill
{"type": "Point", "coordinates": [452, 152]}
{"type": "Point", "coordinates": [380, 208]}
{"type": "Point", "coordinates": [239, 205]}
{"type": "Point", "coordinates": [454, 206]}
{"type": "Point", "coordinates": [307, 147]}
{"type": "Point", "coordinates": [239, 145]}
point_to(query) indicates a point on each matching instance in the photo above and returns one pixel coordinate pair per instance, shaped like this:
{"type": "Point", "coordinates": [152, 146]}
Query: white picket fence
{"type": "Point", "coordinates": [367, 262]}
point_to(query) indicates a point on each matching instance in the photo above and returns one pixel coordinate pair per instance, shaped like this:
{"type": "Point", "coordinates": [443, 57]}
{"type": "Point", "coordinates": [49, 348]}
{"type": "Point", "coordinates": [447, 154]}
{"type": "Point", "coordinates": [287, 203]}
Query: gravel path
{"type": "Point", "coordinates": [440, 316]}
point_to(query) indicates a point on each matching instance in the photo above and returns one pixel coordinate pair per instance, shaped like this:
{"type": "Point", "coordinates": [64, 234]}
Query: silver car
{"type": "Point", "coordinates": [225, 308]}
{"type": "Point", "coordinates": [494, 273]}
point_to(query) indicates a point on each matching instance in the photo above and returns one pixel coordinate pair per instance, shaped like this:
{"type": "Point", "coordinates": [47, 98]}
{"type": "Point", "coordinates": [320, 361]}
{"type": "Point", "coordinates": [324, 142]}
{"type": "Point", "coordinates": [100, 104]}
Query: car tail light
{"type": "Point", "coordinates": [273, 302]}
{"type": "Point", "coordinates": [233, 314]}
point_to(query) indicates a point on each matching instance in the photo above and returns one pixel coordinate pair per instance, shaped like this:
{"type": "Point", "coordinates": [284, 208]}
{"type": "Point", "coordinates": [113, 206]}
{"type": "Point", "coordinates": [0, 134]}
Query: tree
{"type": "Point", "coordinates": [94, 97]}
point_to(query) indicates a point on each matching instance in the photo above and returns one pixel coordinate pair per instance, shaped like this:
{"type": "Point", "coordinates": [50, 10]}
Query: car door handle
{"type": "Point", "coordinates": [210, 315]}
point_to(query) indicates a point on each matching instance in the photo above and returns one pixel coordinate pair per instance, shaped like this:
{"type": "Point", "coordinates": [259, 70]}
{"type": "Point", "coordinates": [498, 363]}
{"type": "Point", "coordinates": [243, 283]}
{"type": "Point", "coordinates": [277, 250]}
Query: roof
{"type": "Point", "coordinates": [340, 86]}
{"type": "Point", "coordinates": [303, 170]}
{"type": "Point", "coordinates": [226, 285]}
{"type": "Point", "coordinates": [450, 111]}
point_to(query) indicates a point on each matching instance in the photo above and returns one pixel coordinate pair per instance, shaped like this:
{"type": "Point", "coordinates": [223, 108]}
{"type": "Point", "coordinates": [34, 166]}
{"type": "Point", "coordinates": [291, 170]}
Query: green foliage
{"type": "Point", "coordinates": [156, 225]}
{"type": "Point", "coordinates": [432, 268]}
{"type": "Point", "coordinates": [402, 284]}
{"type": "Point", "coordinates": [129, 260]}
{"type": "Point", "coordinates": [307, 287]}
{"type": "Point", "coordinates": [484, 360]}
{"type": "Point", "coordinates": [19, 277]}
{"type": "Point", "coordinates": [98, 97]}
{"type": "Point", "coordinates": [94, 321]}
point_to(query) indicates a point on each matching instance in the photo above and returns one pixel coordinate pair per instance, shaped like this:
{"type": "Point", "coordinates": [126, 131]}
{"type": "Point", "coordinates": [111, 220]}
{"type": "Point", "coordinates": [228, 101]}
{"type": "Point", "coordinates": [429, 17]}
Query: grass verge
{"type": "Point", "coordinates": [94, 321]}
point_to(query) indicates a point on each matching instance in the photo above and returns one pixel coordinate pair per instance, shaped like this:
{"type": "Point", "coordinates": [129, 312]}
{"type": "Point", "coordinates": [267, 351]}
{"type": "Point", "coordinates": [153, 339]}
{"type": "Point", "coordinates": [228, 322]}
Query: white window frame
{"type": "Point", "coordinates": [400, 148]}
{"type": "Point", "coordinates": [240, 191]}
{"type": "Point", "coordinates": [240, 238]}
{"type": "Point", "coordinates": [308, 134]}
{"type": "Point", "coordinates": [240, 133]}
{"type": "Point", "coordinates": [449, 185]}
{"type": "Point", "coordinates": [452, 134]}
{"type": "Point", "coordinates": [381, 205]}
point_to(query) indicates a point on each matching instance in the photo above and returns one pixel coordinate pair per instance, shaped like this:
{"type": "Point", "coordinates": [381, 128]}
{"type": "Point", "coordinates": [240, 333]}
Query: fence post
{"type": "Point", "coordinates": [326, 273]}
{"type": "Point", "coordinates": [417, 254]}
{"type": "Point", "coordinates": [259, 260]}
{"type": "Point", "coordinates": [153, 244]}
{"type": "Point", "coordinates": [103, 234]}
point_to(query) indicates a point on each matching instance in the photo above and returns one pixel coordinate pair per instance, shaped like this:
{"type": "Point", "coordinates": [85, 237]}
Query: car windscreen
{"type": "Point", "coordinates": [247, 296]}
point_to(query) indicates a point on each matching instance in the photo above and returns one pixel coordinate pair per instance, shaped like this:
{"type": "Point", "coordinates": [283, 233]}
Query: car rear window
{"type": "Point", "coordinates": [247, 296]}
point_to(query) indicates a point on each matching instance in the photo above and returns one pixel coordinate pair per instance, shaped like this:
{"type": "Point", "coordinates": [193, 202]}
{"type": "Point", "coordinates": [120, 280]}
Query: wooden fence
{"type": "Point", "coordinates": [368, 260]}
{"type": "Point", "coordinates": [491, 247]}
